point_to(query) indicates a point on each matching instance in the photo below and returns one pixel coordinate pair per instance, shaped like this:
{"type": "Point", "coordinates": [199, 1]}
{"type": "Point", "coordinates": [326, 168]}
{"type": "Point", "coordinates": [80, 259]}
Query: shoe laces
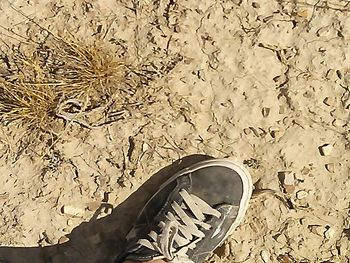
{"type": "Point", "coordinates": [182, 228]}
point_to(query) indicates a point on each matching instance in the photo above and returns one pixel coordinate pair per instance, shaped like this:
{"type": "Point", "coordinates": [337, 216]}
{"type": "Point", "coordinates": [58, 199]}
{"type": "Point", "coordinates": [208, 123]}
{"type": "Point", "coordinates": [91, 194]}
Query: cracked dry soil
{"type": "Point", "coordinates": [265, 83]}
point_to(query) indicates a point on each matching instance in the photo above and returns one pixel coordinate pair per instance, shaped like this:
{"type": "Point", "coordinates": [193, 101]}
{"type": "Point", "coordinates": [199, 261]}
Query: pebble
{"type": "Point", "coordinates": [72, 210]}
{"type": "Point", "coordinates": [223, 251]}
{"type": "Point", "coordinates": [288, 178]}
{"type": "Point", "coordinates": [329, 233]}
{"type": "Point", "coordinates": [316, 229]}
{"type": "Point", "coordinates": [63, 239]}
{"type": "Point", "coordinates": [284, 259]}
{"type": "Point", "coordinates": [247, 131]}
{"type": "Point", "coordinates": [265, 111]}
{"type": "Point", "coordinates": [301, 194]}
{"type": "Point", "coordinates": [326, 149]}
{"type": "Point", "coordinates": [330, 167]}
{"type": "Point", "coordinates": [265, 256]}
{"type": "Point", "coordinates": [289, 189]}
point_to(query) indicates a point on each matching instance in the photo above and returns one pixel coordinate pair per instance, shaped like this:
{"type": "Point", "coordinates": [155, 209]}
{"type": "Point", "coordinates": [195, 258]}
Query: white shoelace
{"type": "Point", "coordinates": [181, 222]}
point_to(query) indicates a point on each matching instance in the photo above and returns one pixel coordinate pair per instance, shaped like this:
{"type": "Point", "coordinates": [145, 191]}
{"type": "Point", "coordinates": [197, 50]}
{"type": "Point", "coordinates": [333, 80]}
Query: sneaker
{"type": "Point", "coordinates": [191, 214]}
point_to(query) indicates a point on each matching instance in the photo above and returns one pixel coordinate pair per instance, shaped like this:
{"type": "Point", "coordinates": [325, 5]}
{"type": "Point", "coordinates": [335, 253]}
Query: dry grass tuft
{"type": "Point", "coordinates": [44, 75]}
{"type": "Point", "coordinates": [33, 106]}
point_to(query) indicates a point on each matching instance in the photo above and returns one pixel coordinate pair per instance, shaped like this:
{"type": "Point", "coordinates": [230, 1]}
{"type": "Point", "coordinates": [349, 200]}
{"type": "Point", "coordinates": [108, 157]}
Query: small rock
{"type": "Point", "coordinates": [265, 111]}
{"type": "Point", "coordinates": [70, 222]}
{"type": "Point", "coordinates": [289, 189]}
{"type": "Point", "coordinates": [223, 251]}
{"type": "Point", "coordinates": [329, 233]}
{"type": "Point", "coordinates": [265, 256]}
{"type": "Point", "coordinates": [330, 167]}
{"type": "Point", "coordinates": [177, 28]}
{"type": "Point", "coordinates": [63, 239]}
{"type": "Point", "coordinates": [288, 178]}
{"type": "Point", "coordinates": [72, 210]}
{"type": "Point", "coordinates": [325, 149]}
{"type": "Point", "coordinates": [316, 229]}
{"type": "Point", "coordinates": [284, 259]}
{"type": "Point", "coordinates": [328, 101]}
{"type": "Point", "coordinates": [247, 131]}
{"type": "Point", "coordinates": [301, 194]}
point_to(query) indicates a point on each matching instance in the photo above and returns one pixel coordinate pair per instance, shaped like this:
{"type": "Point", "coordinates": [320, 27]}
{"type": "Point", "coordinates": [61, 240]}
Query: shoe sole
{"type": "Point", "coordinates": [242, 172]}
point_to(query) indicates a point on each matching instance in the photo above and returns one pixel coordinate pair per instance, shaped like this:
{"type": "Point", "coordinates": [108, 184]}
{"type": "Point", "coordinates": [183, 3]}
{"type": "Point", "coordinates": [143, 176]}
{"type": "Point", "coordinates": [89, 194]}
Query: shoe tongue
{"type": "Point", "coordinates": [143, 254]}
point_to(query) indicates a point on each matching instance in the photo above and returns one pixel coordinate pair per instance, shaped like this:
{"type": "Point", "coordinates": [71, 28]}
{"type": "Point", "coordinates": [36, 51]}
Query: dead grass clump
{"type": "Point", "coordinates": [58, 70]}
{"type": "Point", "coordinates": [30, 105]}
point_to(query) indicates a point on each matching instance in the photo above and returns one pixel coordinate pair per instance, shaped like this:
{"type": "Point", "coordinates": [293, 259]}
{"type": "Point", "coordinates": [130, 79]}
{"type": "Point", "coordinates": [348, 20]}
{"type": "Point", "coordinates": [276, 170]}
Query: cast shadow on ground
{"type": "Point", "coordinates": [98, 241]}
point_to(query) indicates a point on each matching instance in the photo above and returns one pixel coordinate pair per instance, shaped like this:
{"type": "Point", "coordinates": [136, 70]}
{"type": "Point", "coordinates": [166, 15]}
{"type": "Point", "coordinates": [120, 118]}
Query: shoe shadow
{"type": "Point", "coordinates": [99, 240]}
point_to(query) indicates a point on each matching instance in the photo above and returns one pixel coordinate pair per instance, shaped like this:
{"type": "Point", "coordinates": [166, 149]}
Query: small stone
{"type": "Point", "coordinates": [177, 28]}
{"type": "Point", "coordinates": [328, 101]}
{"type": "Point", "coordinates": [63, 239]}
{"type": "Point", "coordinates": [316, 229]}
{"type": "Point", "coordinates": [223, 251]}
{"type": "Point", "coordinates": [325, 149]}
{"type": "Point", "coordinates": [265, 256]}
{"type": "Point", "coordinates": [265, 111]}
{"type": "Point", "coordinates": [329, 233]}
{"type": "Point", "coordinates": [301, 194]}
{"type": "Point", "coordinates": [289, 189]}
{"type": "Point", "coordinates": [289, 178]}
{"type": "Point", "coordinates": [284, 259]}
{"type": "Point", "coordinates": [247, 131]}
{"type": "Point", "coordinates": [70, 222]}
{"type": "Point", "coordinates": [72, 210]}
{"type": "Point", "coordinates": [330, 167]}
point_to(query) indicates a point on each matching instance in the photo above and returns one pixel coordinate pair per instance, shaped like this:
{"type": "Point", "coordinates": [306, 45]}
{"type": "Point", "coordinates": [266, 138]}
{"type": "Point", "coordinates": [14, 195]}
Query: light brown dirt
{"type": "Point", "coordinates": [238, 79]}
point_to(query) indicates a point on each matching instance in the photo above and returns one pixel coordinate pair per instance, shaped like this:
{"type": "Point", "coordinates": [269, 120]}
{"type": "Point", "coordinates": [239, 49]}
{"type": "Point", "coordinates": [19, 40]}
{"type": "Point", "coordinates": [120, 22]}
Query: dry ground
{"type": "Point", "coordinates": [265, 83]}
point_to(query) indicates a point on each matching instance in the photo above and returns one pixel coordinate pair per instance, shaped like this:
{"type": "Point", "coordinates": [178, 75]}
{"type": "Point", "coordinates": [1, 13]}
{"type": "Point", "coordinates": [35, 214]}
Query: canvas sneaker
{"type": "Point", "coordinates": [191, 214]}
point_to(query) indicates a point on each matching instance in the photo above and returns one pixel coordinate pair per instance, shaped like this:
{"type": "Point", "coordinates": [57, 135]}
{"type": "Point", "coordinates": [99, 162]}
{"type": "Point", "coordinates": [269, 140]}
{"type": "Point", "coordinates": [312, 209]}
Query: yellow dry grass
{"type": "Point", "coordinates": [56, 70]}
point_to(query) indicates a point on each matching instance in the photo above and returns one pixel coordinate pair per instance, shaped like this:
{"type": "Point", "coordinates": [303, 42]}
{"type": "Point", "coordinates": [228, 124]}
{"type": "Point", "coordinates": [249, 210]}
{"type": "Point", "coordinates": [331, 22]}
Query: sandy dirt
{"type": "Point", "coordinates": [265, 83]}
